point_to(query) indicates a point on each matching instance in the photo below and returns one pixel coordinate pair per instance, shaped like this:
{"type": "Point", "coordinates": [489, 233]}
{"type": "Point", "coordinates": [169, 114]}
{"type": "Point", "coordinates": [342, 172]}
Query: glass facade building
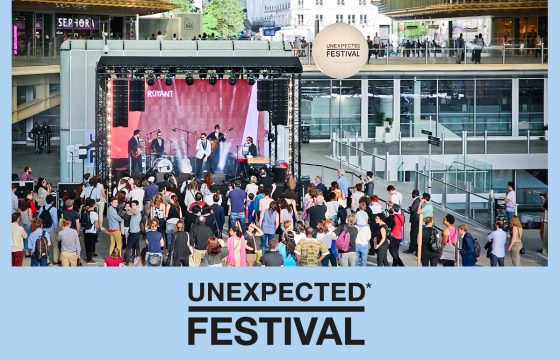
{"type": "Point", "coordinates": [500, 106]}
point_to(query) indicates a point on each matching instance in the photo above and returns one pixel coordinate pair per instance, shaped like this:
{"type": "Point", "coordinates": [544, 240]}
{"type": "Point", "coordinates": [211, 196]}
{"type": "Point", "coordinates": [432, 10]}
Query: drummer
{"type": "Point", "coordinates": [158, 146]}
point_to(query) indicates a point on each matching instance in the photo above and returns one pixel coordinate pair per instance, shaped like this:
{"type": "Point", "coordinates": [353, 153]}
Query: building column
{"type": "Point", "coordinates": [364, 113]}
{"type": "Point", "coordinates": [515, 107]}
{"type": "Point", "coordinates": [397, 105]}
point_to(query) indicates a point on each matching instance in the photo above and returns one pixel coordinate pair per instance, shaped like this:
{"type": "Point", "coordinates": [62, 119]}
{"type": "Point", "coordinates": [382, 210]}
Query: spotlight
{"type": "Point", "coordinates": [251, 80]}
{"type": "Point", "coordinates": [202, 73]}
{"type": "Point", "coordinates": [212, 80]}
{"type": "Point", "coordinates": [232, 79]}
{"type": "Point", "coordinates": [189, 79]}
{"type": "Point", "coordinates": [151, 81]}
{"type": "Point", "coordinates": [168, 80]}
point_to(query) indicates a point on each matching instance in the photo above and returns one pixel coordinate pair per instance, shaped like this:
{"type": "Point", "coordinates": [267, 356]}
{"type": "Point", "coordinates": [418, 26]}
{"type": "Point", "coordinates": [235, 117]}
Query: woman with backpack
{"type": "Point", "coordinates": [215, 253]}
{"type": "Point", "coordinates": [430, 255]}
{"type": "Point", "coordinates": [39, 242]}
{"type": "Point", "coordinates": [468, 255]}
{"type": "Point", "coordinates": [270, 220]}
{"type": "Point", "coordinates": [382, 244]}
{"type": "Point", "coordinates": [449, 241]}
{"type": "Point", "coordinates": [346, 235]}
{"type": "Point", "coordinates": [155, 243]}
{"type": "Point", "coordinates": [89, 220]}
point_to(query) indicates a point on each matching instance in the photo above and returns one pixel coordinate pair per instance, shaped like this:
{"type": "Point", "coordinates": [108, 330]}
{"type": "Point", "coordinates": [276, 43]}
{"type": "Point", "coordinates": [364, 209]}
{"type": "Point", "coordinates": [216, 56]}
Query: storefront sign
{"type": "Point", "coordinates": [340, 51]}
{"type": "Point", "coordinates": [77, 23]}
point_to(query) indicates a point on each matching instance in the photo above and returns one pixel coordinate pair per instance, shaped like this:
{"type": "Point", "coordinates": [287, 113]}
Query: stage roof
{"type": "Point", "coordinates": [129, 7]}
{"type": "Point", "coordinates": [286, 64]}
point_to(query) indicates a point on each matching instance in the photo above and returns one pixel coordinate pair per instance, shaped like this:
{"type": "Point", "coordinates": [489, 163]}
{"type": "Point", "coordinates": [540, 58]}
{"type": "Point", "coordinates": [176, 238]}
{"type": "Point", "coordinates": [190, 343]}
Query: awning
{"type": "Point", "coordinates": [130, 7]}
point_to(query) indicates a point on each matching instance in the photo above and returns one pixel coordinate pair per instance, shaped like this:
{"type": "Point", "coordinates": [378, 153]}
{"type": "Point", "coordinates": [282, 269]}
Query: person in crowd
{"type": "Point", "coordinates": [290, 196]}
{"type": "Point", "coordinates": [270, 220]}
{"type": "Point", "coordinates": [364, 234]}
{"type": "Point", "coordinates": [286, 248]}
{"type": "Point", "coordinates": [414, 222]}
{"type": "Point", "coordinates": [15, 200]}
{"type": "Point", "coordinates": [50, 224]}
{"type": "Point", "coordinates": [200, 234]}
{"type": "Point", "coordinates": [252, 187]}
{"type": "Point", "coordinates": [237, 198]}
{"type": "Point", "coordinates": [18, 236]}
{"type": "Point", "coordinates": [318, 183]}
{"type": "Point", "coordinates": [251, 214]}
{"type": "Point", "coordinates": [219, 214]}
{"type": "Point", "coordinates": [26, 176]}
{"type": "Point", "coordinates": [426, 208]}
{"type": "Point", "coordinates": [382, 244]}
{"type": "Point", "coordinates": [237, 248]}
{"type": "Point", "coordinates": [332, 208]}
{"type": "Point", "coordinates": [102, 198]}
{"type": "Point", "coordinates": [114, 221]}
{"type": "Point", "coordinates": [356, 196]}
{"type": "Point", "coordinates": [335, 188]}
{"type": "Point", "coordinates": [449, 241]}
{"type": "Point", "coordinates": [136, 193]}
{"type": "Point", "coordinates": [515, 243]}
{"type": "Point", "coordinates": [42, 189]}
{"type": "Point", "coordinates": [310, 251]}
{"type": "Point", "coordinates": [429, 257]}
{"type": "Point", "coordinates": [91, 192]}
{"type": "Point", "coordinates": [396, 197]}
{"type": "Point", "coordinates": [27, 218]}
{"type": "Point", "coordinates": [198, 201]}
{"type": "Point", "coordinates": [376, 209]}
{"type": "Point", "coordinates": [510, 201]}
{"type": "Point", "coordinates": [173, 214]}
{"type": "Point", "coordinates": [348, 256]}
{"type": "Point", "coordinates": [215, 253]}
{"type": "Point", "coordinates": [395, 238]}
{"type": "Point", "coordinates": [205, 188]}
{"type": "Point", "coordinates": [468, 256]}
{"type": "Point", "coordinates": [267, 182]}
{"type": "Point", "coordinates": [544, 208]}
{"type": "Point", "coordinates": [190, 192]}
{"type": "Point", "coordinates": [317, 212]}
{"type": "Point", "coordinates": [258, 198]}
{"type": "Point", "coordinates": [150, 191]}
{"type": "Point", "coordinates": [325, 236]}
{"type": "Point", "coordinates": [272, 257]}
{"type": "Point", "coordinates": [286, 214]}
{"type": "Point", "coordinates": [155, 243]}
{"type": "Point", "coordinates": [497, 241]}
{"type": "Point", "coordinates": [39, 250]}
{"type": "Point", "coordinates": [180, 248]}
{"type": "Point", "coordinates": [91, 231]}
{"type": "Point", "coordinates": [368, 183]}
{"type": "Point", "coordinates": [309, 200]}
{"type": "Point", "coordinates": [342, 182]}
{"type": "Point", "coordinates": [115, 259]}
{"type": "Point", "coordinates": [251, 248]}
{"type": "Point", "coordinates": [133, 239]}
{"type": "Point", "coordinates": [157, 212]}
{"type": "Point", "coordinates": [70, 244]}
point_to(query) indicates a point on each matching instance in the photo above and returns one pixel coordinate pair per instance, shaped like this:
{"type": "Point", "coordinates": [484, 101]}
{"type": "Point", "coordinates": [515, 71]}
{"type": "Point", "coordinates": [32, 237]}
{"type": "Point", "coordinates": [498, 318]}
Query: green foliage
{"type": "Point", "coordinates": [224, 18]}
{"type": "Point", "coordinates": [186, 6]}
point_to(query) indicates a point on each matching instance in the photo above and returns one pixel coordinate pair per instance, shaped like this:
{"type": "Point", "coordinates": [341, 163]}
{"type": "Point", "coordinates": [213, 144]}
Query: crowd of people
{"type": "Point", "coordinates": [193, 223]}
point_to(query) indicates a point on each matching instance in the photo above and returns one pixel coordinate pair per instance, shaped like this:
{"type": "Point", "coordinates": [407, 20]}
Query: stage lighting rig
{"type": "Point", "coordinates": [189, 79]}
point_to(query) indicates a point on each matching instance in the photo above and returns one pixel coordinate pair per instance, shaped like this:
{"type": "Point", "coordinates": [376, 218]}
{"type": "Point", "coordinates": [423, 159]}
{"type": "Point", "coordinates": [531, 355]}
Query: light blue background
{"type": "Point", "coordinates": [94, 313]}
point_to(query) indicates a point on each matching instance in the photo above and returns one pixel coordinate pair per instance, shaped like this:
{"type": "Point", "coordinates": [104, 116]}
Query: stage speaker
{"type": "Point", "coordinates": [66, 187]}
{"type": "Point", "coordinates": [218, 178]}
{"type": "Point", "coordinates": [304, 183]}
{"type": "Point", "coordinates": [120, 102]}
{"type": "Point", "coordinates": [280, 188]}
{"type": "Point", "coordinates": [23, 188]}
{"type": "Point", "coordinates": [182, 177]}
{"type": "Point", "coordinates": [280, 91]}
{"type": "Point", "coordinates": [305, 134]}
{"type": "Point", "coordinates": [264, 95]}
{"type": "Point", "coordinates": [137, 92]}
{"type": "Point", "coordinates": [279, 174]}
{"type": "Point", "coordinates": [230, 168]}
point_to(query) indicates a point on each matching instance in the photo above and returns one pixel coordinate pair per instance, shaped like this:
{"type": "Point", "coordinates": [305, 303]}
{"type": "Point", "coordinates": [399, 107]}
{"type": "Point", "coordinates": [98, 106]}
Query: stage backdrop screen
{"type": "Point", "coordinates": [195, 108]}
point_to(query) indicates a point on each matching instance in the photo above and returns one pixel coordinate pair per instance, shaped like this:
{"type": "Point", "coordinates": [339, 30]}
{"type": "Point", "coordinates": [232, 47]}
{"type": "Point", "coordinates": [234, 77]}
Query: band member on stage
{"type": "Point", "coordinates": [134, 151]}
{"type": "Point", "coordinates": [158, 145]}
{"type": "Point", "coordinates": [249, 150]}
{"type": "Point", "coordinates": [203, 150]}
{"type": "Point", "coordinates": [214, 159]}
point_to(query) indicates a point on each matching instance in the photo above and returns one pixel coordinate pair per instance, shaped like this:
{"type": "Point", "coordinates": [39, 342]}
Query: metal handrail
{"type": "Point", "coordinates": [453, 186]}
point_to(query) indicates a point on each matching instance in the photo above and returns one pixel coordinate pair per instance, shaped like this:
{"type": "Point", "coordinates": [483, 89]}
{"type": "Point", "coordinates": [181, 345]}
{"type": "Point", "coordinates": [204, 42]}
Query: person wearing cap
{"type": "Point", "coordinates": [150, 191]}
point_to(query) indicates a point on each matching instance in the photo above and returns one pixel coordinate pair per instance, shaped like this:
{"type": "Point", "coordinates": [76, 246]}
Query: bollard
{"type": "Point", "coordinates": [485, 142]}
{"type": "Point", "coordinates": [528, 141]}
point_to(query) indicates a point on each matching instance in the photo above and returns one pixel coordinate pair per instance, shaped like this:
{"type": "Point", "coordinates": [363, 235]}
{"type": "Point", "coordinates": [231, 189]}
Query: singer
{"type": "Point", "coordinates": [203, 150]}
{"type": "Point", "coordinates": [158, 145]}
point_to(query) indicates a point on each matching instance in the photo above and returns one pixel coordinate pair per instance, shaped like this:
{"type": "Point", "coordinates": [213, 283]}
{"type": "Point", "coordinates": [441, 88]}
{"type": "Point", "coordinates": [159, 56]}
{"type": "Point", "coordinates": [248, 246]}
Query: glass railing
{"type": "Point", "coordinates": [437, 55]}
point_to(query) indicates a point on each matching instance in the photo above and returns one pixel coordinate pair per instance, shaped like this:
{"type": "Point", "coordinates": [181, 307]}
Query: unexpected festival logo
{"type": "Point", "coordinates": [340, 51]}
{"type": "Point", "coordinates": [160, 93]}
{"type": "Point", "coordinates": [239, 314]}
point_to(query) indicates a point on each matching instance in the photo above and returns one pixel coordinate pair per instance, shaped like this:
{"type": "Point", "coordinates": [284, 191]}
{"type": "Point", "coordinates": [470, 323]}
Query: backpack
{"type": "Point", "coordinates": [41, 247]}
{"type": "Point", "coordinates": [85, 220]}
{"type": "Point", "coordinates": [435, 242]}
{"type": "Point", "coordinates": [476, 246]}
{"type": "Point", "coordinates": [46, 217]}
{"type": "Point", "coordinates": [343, 240]}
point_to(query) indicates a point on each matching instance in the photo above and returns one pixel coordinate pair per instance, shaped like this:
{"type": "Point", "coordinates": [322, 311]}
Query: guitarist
{"type": "Point", "coordinates": [134, 151]}
{"type": "Point", "coordinates": [203, 149]}
{"type": "Point", "coordinates": [216, 138]}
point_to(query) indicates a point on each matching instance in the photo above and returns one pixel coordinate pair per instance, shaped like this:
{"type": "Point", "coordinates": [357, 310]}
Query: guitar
{"type": "Point", "coordinates": [214, 142]}
{"type": "Point", "coordinates": [140, 150]}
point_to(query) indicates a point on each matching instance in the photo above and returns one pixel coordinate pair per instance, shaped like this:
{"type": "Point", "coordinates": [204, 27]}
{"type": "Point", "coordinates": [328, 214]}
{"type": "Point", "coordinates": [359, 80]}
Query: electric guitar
{"type": "Point", "coordinates": [214, 142]}
{"type": "Point", "coordinates": [140, 150]}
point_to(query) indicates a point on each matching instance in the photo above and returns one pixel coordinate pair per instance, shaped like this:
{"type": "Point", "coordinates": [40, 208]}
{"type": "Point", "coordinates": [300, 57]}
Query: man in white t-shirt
{"type": "Point", "coordinates": [137, 193]}
{"type": "Point", "coordinates": [510, 201]}
{"type": "Point", "coordinates": [396, 197]}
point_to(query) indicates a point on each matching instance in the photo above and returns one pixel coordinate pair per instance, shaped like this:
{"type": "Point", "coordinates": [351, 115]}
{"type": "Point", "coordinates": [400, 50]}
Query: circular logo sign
{"type": "Point", "coordinates": [340, 50]}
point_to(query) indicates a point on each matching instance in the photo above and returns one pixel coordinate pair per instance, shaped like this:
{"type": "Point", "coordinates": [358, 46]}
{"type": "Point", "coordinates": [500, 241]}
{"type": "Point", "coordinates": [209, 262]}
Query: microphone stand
{"type": "Point", "coordinates": [188, 133]}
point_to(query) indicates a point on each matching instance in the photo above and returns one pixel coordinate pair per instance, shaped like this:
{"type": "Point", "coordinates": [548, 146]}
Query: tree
{"type": "Point", "coordinates": [224, 18]}
{"type": "Point", "coordinates": [186, 6]}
